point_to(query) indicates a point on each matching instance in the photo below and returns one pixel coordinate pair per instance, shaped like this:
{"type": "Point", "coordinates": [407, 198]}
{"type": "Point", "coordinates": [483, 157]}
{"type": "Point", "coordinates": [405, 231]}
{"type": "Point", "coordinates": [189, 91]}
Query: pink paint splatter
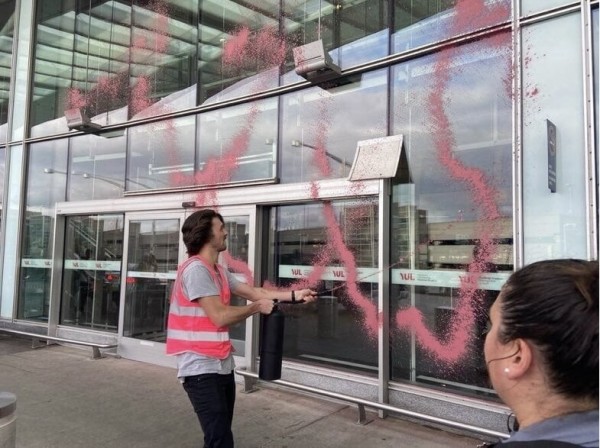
{"type": "Point", "coordinates": [140, 95]}
{"type": "Point", "coordinates": [469, 14]}
{"type": "Point", "coordinates": [253, 51]}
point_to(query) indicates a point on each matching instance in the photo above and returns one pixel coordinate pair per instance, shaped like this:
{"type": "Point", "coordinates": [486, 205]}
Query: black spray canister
{"type": "Point", "coordinates": [271, 344]}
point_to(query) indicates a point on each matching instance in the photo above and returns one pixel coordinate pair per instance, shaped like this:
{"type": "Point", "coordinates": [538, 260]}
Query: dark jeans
{"type": "Point", "coordinates": [213, 398]}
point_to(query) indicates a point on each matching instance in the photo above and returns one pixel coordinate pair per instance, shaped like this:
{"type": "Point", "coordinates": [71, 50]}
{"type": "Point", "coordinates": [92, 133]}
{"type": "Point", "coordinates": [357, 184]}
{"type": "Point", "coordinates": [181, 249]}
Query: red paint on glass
{"type": "Point", "coordinates": [248, 50]}
{"type": "Point", "coordinates": [469, 14]}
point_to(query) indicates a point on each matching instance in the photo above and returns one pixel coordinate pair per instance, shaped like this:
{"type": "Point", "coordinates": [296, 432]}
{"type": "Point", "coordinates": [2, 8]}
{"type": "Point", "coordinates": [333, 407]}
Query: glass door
{"type": "Point", "coordinates": [92, 272]}
{"type": "Point", "coordinates": [153, 250]}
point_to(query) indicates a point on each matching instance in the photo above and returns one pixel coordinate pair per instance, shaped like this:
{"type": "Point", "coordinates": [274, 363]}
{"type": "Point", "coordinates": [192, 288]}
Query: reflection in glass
{"type": "Point", "coordinates": [118, 60]}
{"type": "Point", "coordinates": [354, 32]}
{"type": "Point", "coordinates": [237, 143]}
{"type": "Point", "coordinates": [321, 128]}
{"type": "Point", "coordinates": [161, 154]}
{"type": "Point", "coordinates": [421, 23]}
{"type": "Point", "coordinates": [92, 272]}
{"type": "Point", "coordinates": [554, 224]}
{"type": "Point", "coordinates": [529, 7]}
{"type": "Point", "coordinates": [331, 331]}
{"type": "Point", "coordinates": [46, 185]}
{"type": "Point", "coordinates": [96, 168]}
{"type": "Point", "coordinates": [151, 268]}
{"type": "Point", "coordinates": [162, 56]}
{"type": "Point", "coordinates": [7, 28]}
{"type": "Point", "coordinates": [451, 207]}
{"type": "Point", "coordinates": [238, 41]}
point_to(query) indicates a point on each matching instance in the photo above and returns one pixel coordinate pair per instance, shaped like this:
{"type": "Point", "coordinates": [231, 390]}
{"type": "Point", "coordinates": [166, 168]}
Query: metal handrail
{"type": "Point", "coordinates": [36, 336]}
{"type": "Point", "coordinates": [362, 403]}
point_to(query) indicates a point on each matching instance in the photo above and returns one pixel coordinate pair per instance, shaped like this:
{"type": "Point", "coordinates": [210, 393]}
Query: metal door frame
{"type": "Point", "coordinates": [154, 352]}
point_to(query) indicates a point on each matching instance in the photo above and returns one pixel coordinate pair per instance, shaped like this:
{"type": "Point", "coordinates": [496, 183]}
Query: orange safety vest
{"type": "Point", "coordinates": [189, 328]}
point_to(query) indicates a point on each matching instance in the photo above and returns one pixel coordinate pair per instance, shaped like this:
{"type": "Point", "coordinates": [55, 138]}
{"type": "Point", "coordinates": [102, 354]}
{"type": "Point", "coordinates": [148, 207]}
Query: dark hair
{"type": "Point", "coordinates": [554, 305]}
{"type": "Point", "coordinates": [197, 230]}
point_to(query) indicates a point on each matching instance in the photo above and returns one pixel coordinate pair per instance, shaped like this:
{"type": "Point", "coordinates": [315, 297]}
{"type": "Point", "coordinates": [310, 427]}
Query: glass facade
{"type": "Point", "coordinates": [198, 103]}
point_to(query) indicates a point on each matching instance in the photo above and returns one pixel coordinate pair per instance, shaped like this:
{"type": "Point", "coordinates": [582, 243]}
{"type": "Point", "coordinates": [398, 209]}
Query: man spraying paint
{"type": "Point", "coordinates": [199, 317]}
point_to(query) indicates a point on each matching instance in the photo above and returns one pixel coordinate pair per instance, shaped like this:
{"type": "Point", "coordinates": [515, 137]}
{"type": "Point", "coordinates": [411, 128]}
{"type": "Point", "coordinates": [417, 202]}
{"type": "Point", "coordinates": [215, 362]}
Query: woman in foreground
{"type": "Point", "coordinates": [542, 353]}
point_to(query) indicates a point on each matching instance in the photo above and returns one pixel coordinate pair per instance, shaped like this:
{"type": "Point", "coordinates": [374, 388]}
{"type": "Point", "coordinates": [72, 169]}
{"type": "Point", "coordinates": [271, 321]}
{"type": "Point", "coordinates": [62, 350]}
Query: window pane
{"type": "Point", "coordinates": [161, 154]}
{"type": "Point", "coordinates": [237, 143]}
{"type": "Point", "coordinates": [529, 7]}
{"type": "Point", "coordinates": [321, 128]}
{"type": "Point", "coordinates": [424, 22]}
{"type": "Point", "coordinates": [46, 185]}
{"type": "Point", "coordinates": [554, 223]}
{"type": "Point", "coordinates": [333, 247]}
{"type": "Point", "coordinates": [238, 41]}
{"type": "Point", "coordinates": [96, 168]}
{"type": "Point", "coordinates": [7, 28]}
{"type": "Point", "coordinates": [116, 60]}
{"type": "Point", "coordinates": [92, 272]}
{"type": "Point", "coordinates": [353, 32]}
{"type": "Point", "coordinates": [163, 56]}
{"type": "Point", "coordinates": [53, 66]}
{"type": "Point", "coordinates": [451, 216]}
{"type": "Point", "coordinates": [151, 267]}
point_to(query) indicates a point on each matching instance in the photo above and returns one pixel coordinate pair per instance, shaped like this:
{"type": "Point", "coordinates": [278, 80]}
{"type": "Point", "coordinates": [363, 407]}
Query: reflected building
{"type": "Point", "coordinates": [200, 103]}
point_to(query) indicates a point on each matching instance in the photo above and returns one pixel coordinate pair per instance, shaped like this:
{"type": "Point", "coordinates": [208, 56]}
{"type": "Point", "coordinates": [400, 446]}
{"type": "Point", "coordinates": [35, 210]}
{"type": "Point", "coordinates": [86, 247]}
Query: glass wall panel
{"type": "Point", "coordinates": [320, 128]}
{"type": "Point", "coordinates": [237, 143]}
{"type": "Point", "coordinates": [53, 66]}
{"type": "Point", "coordinates": [3, 179]}
{"type": "Point", "coordinates": [554, 222]}
{"type": "Point", "coordinates": [529, 7]}
{"type": "Point", "coordinates": [238, 41]}
{"type": "Point", "coordinates": [451, 215]}
{"type": "Point", "coordinates": [163, 56]}
{"type": "Point", "coordinates": [92, 272]}
{"type": "Point", "coordinates": [151, 269]}
{"type": "Point", "coordinates": [353, 32]}
{"type": "Point", "coordinates": [333, 248]}
{"type": "Point", "coordinates": [46, 185]}
{"type": "Point", "coordinates": [161, 154]}
{"type": "Point", "coordinates": [425, 22]}
{"type": "Point", "coordinates": [7, 29]}
{"type": "Point", "coordinates": [116, 60]}
{"type": "Point", "coordinates": [96, 168]}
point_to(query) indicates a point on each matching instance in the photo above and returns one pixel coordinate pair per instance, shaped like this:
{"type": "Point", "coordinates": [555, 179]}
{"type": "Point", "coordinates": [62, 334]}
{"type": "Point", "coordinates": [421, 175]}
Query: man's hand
{"type": "Point", "coordinates": [265, 306]}
{"type": "Point", "coordinates": [308, 295]}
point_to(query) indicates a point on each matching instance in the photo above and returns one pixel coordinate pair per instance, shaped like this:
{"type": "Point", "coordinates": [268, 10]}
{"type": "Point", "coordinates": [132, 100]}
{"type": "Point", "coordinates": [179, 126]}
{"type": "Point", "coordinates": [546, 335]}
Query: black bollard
{"type": "Point", "coordinates": [271, 345]}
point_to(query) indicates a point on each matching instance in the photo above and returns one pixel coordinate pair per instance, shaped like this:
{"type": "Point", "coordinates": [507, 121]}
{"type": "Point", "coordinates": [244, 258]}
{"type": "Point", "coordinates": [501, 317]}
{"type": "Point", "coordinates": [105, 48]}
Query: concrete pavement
{"type": "Point", "coordinates": [65, 399]}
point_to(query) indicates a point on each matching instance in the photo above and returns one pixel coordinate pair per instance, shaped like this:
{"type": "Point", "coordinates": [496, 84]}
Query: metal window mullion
{"type": "Point", "coordinates": [589, 131]}
{"type": "Point", "coordinates": [383, 299]}
{"type": "Point", "coordinates": [517, 125]}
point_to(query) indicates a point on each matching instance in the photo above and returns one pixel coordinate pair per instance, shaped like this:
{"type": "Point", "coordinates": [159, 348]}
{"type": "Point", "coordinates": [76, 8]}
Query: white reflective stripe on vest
{"type": "Point", "coordinates": [193, 311]}
{"type": "Point", "coordinates": [209, 336]}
